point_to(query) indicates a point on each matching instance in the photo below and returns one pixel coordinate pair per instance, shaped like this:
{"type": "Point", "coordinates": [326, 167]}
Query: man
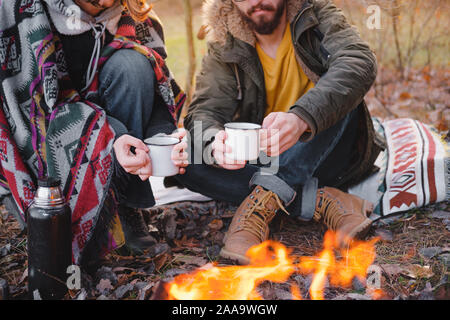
{"type": "Point", "coordinates": [299, 69]}
{"type": "Point", "coordinates": [83, 82]}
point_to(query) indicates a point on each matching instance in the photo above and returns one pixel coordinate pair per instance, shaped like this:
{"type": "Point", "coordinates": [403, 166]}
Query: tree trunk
{"type": "Point", "coordinates": [395, 14]}
{"type": "Point", "coordinates": [191, 53]}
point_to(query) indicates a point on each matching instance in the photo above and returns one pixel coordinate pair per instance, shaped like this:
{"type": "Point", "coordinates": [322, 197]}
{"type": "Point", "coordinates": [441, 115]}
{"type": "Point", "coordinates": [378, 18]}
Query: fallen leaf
{"type": "Point", "coordinates": [392, 269]}
{"type": "Point", "coordinates": [121, 269]}
{"type": "Point", "coordinates": [5, 250]}
{"type": "Point", "coordinates": [426, 293]}
{"type": "Point", "coordinates": [171, 273]}
{"type": "Point", "coordinates": [104, 286]}
{"type": "Point", "coordinates": [430, 252]}
{"type": "Point", "coordinates": [357, 296]}
{"type": "Point", "coordinates": [157, 249]}
{"type": "Point", "coordinates": [445, 259]}
{"type": "Point", "coordinates": [122, 290]}
{"type": "Point", "coordinates": [145, 292]}
{"type": "Point", "coordinates": [197, 250]}
{"type": "Point", "coordinates": [194, 260]}
{"type": "Point", "coordinates": [161, 261]}
{"type": "Point", "coordinates": [216, 224]}
{"type": "Point", "coordinates": [405, 96]}
{"type": "Point", "coordinates": [440, 215]}
{"type": "Point", "coordinates": [283, 294]}
{"type": "Point", "coordinates": [73, 293]}
{"type": "Point", "coordinates": [417, 271]}
{"type": "Point", "coordinates": [410, 270]}
{"type": "Point", "coordinates": [187, 243]}
{"type": "Point", "coordinates": [24, 275]}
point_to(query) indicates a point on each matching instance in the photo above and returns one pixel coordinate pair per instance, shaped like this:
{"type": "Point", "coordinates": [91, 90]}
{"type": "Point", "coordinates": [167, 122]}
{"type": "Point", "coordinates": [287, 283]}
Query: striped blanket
{"type": "Point", "coordinates": [418, 166]}
{"type": "Point", "coordinates": [414, 170]}
{"type": "Point", "coordinates": [47, 128]}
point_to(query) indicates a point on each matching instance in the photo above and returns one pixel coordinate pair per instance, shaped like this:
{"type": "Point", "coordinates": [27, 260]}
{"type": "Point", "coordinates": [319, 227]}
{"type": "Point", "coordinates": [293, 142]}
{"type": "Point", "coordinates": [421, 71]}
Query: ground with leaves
{"type": "Point", "coordinates": [413, 254]}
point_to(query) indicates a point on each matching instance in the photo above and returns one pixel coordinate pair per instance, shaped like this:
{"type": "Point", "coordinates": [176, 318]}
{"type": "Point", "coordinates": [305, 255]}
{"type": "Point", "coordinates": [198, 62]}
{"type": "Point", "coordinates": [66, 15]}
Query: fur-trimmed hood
{"type": "Point", "coordinates": [222, 16]}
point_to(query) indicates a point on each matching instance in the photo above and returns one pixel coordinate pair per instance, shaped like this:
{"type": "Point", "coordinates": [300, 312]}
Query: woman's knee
{"type": "Point", "coordinates": [130, 66]}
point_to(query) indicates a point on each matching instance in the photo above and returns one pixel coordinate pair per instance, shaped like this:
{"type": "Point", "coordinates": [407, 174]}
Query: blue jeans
{"type": "Point", "coordinates": [301, 170]}
{"type": "Point", "coordinates": [127, 92]}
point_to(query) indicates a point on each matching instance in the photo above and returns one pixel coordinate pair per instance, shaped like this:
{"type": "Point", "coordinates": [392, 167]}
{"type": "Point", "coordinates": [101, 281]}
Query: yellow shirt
{"type": "Point", "coordinates": [284, 78]}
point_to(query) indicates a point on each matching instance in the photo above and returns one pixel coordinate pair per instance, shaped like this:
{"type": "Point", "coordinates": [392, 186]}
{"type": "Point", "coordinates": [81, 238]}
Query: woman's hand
{"type": "Point", "coordinates": [179, 154]}
{"type": "Point", "coordinates": [138, 163]}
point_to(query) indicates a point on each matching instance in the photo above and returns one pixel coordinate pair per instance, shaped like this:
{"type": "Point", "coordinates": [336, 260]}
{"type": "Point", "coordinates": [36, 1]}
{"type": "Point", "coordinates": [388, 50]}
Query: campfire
{"type": "Point", "coordinates": [272, 261]}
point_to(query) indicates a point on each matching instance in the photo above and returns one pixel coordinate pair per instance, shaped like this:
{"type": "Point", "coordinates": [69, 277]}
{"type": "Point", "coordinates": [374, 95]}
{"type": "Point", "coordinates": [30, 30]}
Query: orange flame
{"type": "Point", "coordinates": [271, 261]}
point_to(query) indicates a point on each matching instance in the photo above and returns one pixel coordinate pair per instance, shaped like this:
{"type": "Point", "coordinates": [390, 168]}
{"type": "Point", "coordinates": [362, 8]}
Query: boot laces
{"type": "Point", "coordinates": [258, 215]}
{"type": "Point", "coordinates": [333, 220]}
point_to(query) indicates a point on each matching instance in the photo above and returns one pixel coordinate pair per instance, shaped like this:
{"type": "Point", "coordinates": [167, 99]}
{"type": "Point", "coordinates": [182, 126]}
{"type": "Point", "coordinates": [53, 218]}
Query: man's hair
{"type": "Point", "coordinates": [138, 9]}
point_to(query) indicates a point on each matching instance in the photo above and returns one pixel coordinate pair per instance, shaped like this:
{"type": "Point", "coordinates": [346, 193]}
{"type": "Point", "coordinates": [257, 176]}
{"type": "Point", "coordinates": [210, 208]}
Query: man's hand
{"type": "Point", "coordinates": [138, 163]}
{"type": "Point", "coordinates": [220, 148]}
{"type": "Point", "coordinates": [281, 130]}
{"type": "Point", "coordinates": [179, 154]}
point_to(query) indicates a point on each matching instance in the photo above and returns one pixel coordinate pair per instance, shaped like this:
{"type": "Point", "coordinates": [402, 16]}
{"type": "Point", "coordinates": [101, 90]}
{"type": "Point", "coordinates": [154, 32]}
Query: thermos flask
{"type": "Point", "coordinates": [49, 241]}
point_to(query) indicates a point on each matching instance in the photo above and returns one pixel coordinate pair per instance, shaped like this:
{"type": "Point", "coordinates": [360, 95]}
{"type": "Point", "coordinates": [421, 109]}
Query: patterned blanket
{"type": "Point", "coordinates": [49, 129]}
{"type": "Point", "coordinates": [418, 166]}
{"type": "Point", "coordinates": [414, 170]}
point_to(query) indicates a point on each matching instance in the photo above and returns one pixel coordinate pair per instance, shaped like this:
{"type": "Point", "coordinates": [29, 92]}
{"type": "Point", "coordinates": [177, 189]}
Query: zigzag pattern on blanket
{"type": "Point", "coordinates": [418, 166]}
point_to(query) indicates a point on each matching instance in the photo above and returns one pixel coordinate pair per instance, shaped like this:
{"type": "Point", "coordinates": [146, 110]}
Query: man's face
{"type": "Point", "coordinates": [263, 16]}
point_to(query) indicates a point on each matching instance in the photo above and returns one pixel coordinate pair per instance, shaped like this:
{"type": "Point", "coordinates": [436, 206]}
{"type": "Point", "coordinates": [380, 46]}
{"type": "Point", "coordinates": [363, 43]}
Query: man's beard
{"type": "Point", "coordinates": [263, 26]}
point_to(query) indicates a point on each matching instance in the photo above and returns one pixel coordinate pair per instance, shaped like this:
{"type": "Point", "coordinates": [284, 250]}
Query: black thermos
{"type": "Point", "coordinates": [49, 241]}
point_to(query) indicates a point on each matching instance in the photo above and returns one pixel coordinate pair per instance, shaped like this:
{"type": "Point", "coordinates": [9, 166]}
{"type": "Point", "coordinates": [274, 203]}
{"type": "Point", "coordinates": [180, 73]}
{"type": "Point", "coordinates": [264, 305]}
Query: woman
{"type": "Point", "coordinates": [100, 87]}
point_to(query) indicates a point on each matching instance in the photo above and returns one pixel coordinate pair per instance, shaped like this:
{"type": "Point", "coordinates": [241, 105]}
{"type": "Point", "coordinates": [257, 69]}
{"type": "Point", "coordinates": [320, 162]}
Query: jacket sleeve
{"type": "Point", "coordinates": [351, 72]}
{"type": "Point", "coordinates": [214, 102]}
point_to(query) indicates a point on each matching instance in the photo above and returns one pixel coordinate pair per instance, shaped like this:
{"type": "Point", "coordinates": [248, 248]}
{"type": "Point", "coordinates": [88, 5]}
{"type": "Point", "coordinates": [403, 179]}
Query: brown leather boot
{"type": "Point", "coordinates": [344, 213]}
{"type": "Point", "coordinates": [250, 224]}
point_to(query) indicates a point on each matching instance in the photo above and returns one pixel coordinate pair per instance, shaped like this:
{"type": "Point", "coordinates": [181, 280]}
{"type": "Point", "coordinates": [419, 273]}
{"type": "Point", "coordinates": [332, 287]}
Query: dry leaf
{"type": "Point", "coordinates": [417, 271]}
{"type": "Point", "coordinates": [405, 96]}
{"type": "Point", "coordinates": [120, 269]}
{"type": "Point", "coordinates": [198, 261]}
{"type": "Point", "coordinates": [161, 261]}
{"type": "Point", "coordinates": [392, 269]}
{"type": "Point", "coordinates": [216, 224]}
{"type": "Point", "coordinates": [104, 285]}
{"type": "Point", "coordinates": [187, 243]}
{"type": "Point", "coordinates": [24, 275]}
{"type": "Point", "coordinates": [410, 270]}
